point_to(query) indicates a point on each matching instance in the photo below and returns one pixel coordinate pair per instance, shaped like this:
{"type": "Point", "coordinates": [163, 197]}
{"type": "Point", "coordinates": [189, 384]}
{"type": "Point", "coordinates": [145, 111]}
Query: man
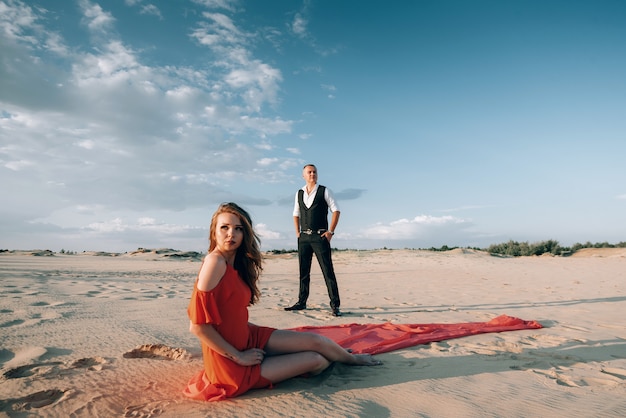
{"type": "Point", "coordinates": [310, 216]}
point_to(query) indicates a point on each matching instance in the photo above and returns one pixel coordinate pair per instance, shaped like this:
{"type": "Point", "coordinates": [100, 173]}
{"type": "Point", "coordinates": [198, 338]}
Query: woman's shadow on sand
{"type": "Point", "coordinates": [397, 369]}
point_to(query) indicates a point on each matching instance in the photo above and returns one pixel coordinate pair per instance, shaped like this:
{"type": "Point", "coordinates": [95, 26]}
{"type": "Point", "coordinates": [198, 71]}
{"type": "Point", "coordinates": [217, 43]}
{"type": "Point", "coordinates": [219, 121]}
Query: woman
{"type": "Point", "coordinates": [238, 355]}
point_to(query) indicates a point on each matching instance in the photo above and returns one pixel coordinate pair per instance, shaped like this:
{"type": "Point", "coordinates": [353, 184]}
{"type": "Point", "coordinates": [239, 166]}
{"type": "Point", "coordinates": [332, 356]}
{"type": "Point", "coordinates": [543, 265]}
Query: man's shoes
{"type": "Point", "coordinates": [297, 307]}
{"type": "Point", "coordinates": [336, 312]}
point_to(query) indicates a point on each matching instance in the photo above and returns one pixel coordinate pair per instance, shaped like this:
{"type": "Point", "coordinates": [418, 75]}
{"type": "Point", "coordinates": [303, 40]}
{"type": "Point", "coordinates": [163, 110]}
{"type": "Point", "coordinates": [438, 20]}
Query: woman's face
{"type": "Point", "coordinates": [228, 231]}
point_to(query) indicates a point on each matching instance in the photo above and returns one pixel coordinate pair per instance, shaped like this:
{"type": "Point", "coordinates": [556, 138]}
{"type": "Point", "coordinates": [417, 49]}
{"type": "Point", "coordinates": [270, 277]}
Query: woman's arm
{"type": "Point", "coordinates": [209, 336]}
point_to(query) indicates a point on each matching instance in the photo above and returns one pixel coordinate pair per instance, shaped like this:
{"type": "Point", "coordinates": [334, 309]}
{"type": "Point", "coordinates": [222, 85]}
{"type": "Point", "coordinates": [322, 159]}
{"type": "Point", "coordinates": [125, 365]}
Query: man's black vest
{"type": "Point", "coordinates": [315, 217]}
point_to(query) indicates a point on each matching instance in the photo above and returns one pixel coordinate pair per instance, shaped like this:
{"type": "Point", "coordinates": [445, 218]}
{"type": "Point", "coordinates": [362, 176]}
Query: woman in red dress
{"type": "Point", "coordinates": [239, 356]}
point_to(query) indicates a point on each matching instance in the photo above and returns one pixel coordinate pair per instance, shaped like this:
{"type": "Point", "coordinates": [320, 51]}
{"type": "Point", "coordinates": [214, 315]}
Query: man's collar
{"type": "Point", "coordinates": [306, 187]}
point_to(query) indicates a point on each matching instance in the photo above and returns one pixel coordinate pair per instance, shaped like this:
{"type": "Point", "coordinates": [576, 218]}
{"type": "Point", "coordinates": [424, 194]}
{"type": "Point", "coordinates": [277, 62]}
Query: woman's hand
{"type": "Point", "coordinates": [251, 357]}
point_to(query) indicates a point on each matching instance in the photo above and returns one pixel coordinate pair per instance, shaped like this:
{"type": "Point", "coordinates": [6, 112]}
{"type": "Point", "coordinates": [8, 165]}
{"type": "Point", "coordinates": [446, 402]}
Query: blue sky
{"type": "Point", "coordinates": [124, 123]}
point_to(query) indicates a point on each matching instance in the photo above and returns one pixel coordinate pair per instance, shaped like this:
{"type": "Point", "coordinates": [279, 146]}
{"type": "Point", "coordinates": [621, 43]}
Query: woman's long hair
{"type": "Point", "coordinates": [248, 259]}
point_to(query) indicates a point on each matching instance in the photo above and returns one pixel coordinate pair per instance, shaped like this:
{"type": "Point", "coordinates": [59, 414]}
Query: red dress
{"type": "Point", "coordinates": [226, 308]}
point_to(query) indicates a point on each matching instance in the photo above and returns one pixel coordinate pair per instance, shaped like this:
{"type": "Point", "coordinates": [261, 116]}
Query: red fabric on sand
{"type": "Point", "coordinates": [226, 308]}
{"type": "Point", "coordinates": [382, 338]}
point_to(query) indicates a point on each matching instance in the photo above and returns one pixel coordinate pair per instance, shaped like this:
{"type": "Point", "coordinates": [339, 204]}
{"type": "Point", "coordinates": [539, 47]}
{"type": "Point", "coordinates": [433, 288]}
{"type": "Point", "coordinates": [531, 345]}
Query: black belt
{"type": "Point", "coordinates": [310, 231]}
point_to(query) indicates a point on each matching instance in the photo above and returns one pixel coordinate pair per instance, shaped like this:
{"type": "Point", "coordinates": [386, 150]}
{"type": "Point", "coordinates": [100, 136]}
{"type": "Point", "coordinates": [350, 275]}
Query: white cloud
{"type": "Point", "coordinates": [146, 221]}
{"type": "Point", "coordinates": [299, 25]}
{"type": "Point", "coordinates": [266, 162]}
{"type": "Point", "coordinates": [16, 19]}
{"type": "Point", "coordinates": [110, 133]}
{"type": "Point", "coordinates": [18, 165]}
{"type": "Point", "coordinates": [229, 5]}
{"type": "Point", "coordinates": [219, 31]}
{"type": "Point", "coordinates": [265, 233]}
{"type": "Point", "coordinates": [88, 209]}
{"type": "Point", "coordinates": [114, 66]}
{"type": "Point", "coordinates": [142, 225]}
{"type": "Point", "coordinates": [420, 227]}
{"type": "Point", "coordinates": [264, 146]}
{"type": "Point", "coordinates": [87, 144]}
{"type": "Point", "coordinates": [151, 9]}
{"type": "Point", "coordinates": [114, 225]}
{"type": "Point", "coordinates": [260, 82]}
{"type": "Point", "coordinates": [96, 18]}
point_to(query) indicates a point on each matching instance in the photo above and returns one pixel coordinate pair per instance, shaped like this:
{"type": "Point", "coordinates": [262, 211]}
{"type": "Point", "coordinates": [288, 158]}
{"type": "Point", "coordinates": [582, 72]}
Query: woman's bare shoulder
{"type": "Point", "coordinates": [211, 272]}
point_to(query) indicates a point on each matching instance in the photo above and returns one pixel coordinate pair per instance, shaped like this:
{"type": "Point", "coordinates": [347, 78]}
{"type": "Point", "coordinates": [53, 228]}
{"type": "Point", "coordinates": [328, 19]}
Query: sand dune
{"type": "Point", "coordinates": [102, 334]}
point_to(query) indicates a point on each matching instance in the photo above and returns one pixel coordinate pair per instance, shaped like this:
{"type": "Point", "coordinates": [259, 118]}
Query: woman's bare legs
{"type": "Point", "coordinates": [285, 366]}
{"type": "Point", "coordinates": [292, 353]}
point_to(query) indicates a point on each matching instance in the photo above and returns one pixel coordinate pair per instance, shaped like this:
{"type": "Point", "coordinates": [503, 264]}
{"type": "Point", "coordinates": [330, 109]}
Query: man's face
{"type": "Point", "coordinates": [310, 174]}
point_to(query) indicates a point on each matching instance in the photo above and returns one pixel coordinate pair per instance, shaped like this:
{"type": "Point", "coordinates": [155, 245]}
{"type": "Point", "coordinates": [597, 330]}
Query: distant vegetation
{"type": "Point", "coordinates": [283, 251]}
{"type": "Point", "coordinates": [517, 249]}
{"type": "Point", "coordinates": [446, 248]}
{"type": "Point", "coordinates": [510, 249]}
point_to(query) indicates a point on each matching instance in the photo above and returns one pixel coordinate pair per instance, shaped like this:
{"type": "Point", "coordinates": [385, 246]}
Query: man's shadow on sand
{"type": "Point", "coordinates": [508, 306]}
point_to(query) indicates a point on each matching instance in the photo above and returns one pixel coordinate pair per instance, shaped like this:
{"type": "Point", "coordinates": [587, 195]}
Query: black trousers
{"type": "Point", "coordinates": [309, 244]}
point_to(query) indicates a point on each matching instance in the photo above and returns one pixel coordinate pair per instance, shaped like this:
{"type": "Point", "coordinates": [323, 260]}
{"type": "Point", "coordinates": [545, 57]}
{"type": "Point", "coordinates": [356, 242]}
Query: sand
{"type": "Point", "coordinates": [99, 335]}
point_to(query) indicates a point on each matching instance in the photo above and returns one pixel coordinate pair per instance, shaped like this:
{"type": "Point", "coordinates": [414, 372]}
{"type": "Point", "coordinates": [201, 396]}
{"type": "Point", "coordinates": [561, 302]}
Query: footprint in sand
{"type": "Point", "coordinates": [22, 356]}
{"type": "Point", "coordinates": [148, 410]}
{"type": "Point", "coordinates": [561, 376]}
{"type": "Point", "coordinates": [158, 351]}
{"type": "Point", "coordinates": [51, 368]}
{"type": "Point", "coordinates": [89, 363]}
{"type": "Point", "coordinates": [23, 363]}
{"type": "Point", "coordinates": [39, 369]}
{"type": "Point", "coordinates": [34, 400]}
